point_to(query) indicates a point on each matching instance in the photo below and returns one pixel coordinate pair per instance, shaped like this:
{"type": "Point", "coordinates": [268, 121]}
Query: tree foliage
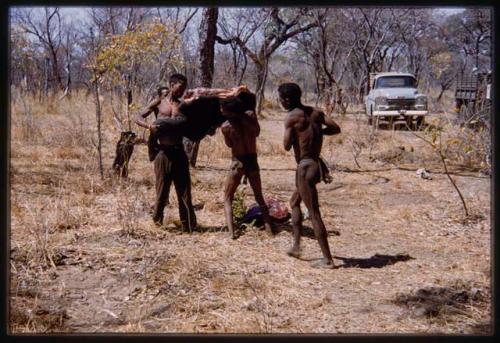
{"type": "Point", "coordinates": [123, 56]}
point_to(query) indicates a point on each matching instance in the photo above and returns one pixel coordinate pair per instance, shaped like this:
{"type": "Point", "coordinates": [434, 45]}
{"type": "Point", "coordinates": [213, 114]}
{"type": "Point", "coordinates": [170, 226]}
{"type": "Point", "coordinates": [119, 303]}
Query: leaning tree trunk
{"type": "Point", "coordinates": [207, 34]}
{"type": "Point", "coordinates": [99, 120]}
{"type": "Point", "coordinates": [261, 84]}
{"type": "Point", "coordinates": [46, 77]}
{"type": "Point", "coordinates": [441, 92]}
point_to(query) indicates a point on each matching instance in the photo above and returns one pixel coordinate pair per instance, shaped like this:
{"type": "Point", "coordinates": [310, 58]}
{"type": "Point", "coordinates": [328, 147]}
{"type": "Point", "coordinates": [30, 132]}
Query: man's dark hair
{"type": "Point", "coordinates": [232, 104]}
{"type": "Point", "coordinates": [160, 89]}
{"type": "Point", "coordinates": [290, 90]}
{"type": "Point", "coordinates": [248, 99]}
{"type": "Point", "coordinates": [244, 101]}
{"type": "Point", "coordinates": [175, 78]}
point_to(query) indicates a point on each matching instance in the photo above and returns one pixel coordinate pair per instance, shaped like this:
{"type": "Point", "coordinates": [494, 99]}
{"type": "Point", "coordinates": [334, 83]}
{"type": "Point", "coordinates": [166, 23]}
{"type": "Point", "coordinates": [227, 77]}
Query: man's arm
{"type": "Point", "coordinates": [332, 128]}
{"type": "Point", "coordinates": [288, 137]}
{"type": "Point", "coordinates": [254, 122]}
{"type": "Point", "coordinates": [151, 107]}
{"type": "Point", "coordinates": [226, 132]}
{"type": "Point", "coordinates": [221, 93]}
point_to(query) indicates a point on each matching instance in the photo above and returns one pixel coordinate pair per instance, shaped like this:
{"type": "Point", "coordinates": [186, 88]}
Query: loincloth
{"type": "Point", "coordinates": [247, 162]}
{"type": "Point", "coordinates": [173, 152]}
{"type": "Point", "coordinates": [324, 171]}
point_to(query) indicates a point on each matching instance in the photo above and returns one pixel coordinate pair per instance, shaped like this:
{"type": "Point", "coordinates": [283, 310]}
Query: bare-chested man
{"type": "Point", "coordinates": [170, 163]}
{"type": "Point", "coordinates": [240, 134]}
{"type": "Point", "coordinates": [169, 158]}
{"type": "Point", "coordinates": [304, 132]}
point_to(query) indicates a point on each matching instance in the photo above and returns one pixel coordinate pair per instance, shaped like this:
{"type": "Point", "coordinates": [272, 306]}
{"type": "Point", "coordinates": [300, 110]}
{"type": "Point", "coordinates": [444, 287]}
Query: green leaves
{"type": "Point", "coordinates": [123, 54]}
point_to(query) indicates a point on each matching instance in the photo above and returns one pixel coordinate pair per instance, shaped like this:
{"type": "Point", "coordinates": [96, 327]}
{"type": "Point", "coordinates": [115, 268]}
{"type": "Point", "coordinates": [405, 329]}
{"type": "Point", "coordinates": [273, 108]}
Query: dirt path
{"type": "Point", "coordinates": [85, 256]}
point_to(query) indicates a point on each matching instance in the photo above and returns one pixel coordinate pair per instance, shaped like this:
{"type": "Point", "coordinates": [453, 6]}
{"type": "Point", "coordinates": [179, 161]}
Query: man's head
{"type": "Point", "coordinates": [234, 106]}
{"type": "Point", "coordinates": [178, 84]}
{"type": "Point", "coordinates": [162, 91]}
{"type": "Point", "coordinates": [289, 94]}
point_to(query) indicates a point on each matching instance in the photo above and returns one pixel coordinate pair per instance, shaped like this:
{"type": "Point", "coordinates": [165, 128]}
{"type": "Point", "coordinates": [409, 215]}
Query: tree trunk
{"type": "Point", "coordinates": [441, 92]}
{"type": "Point", "coordinates": [46, 77]}
{"type": "Point", "coordinates": [207, 34]}
{"type": "Point", "coordinates": [68, 80]}
{"type": "Point", "coordinates": [128, 94]}
{"type": "Point", "coordinates": [261, 84]}
{"type": "Point", "coordinates": [55, 69]}
{"type": "Point", "coordinates": [98, 119]}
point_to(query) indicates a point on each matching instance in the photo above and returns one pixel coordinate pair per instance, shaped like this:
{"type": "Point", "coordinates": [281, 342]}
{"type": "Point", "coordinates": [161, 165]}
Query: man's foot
{"type": "Point", "coordinates": [158, 222]}
{"type": "Point", "coordinates": [188, 229]}
{"type": "Point", "coordinates": [270, 229]}
{"type": "Point", "coordinates": [294, 252]}
{"type": "Point", "coordinates": [235, 234]}
{"type": "Point", "coordinates": [199, 206]}
{"type": "Point", "coordinates": [323, 263]}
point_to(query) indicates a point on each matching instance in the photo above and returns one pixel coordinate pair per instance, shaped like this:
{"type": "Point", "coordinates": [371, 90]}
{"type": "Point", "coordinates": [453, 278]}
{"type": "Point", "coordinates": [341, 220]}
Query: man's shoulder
{"type": "Point", "coordinates": [155, 102]}
{"type": "Point", "coordinates": [295, 113]}
{"type": "Point", "coordinates": [317, 111]}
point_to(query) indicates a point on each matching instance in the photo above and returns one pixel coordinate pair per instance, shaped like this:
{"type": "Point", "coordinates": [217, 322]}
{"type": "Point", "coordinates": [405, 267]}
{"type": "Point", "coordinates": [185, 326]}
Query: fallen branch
{"type": "Point", "coordinates": [439, 151]}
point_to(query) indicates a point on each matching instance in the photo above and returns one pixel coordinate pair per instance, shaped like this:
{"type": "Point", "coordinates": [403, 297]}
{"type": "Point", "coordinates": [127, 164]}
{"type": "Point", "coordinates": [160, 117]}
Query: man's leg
{"type": "Point", "coordinates": [296, 224]}
{"type": "Point", "coordinates": [191, 148]}
{"type": "Point", "coordinates": [152, 147]}
{"type": "Point", "coordinates": [256, 184]}
{"type": "Point", "coordinates": [306, 183]}
{"type": "Point", "coordinates": [182, 183]}
{"type": "Point", "coordinates": [162, 167]}
{"type": "Point", "coordinates": [232, 182]}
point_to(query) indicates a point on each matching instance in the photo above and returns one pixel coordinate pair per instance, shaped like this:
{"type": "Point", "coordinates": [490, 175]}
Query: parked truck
{"type": "Point", "coordinates": [393, 97]}
{"type": "Point", "coordinates": [473, 96]}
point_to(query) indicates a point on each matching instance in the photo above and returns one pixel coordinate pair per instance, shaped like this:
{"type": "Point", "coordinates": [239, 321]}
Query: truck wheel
{"type": "Point", "coordinates": [409, 122]}
{"type": "Point", "coordinates": [463, 112]}
{"type": "Point", "coordinates": [370, 117]}
{"type": "Point", "coordinates": [420, 122]}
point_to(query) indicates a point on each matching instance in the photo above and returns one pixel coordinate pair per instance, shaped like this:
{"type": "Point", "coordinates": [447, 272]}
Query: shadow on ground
{"type": "Point", "coordinates": [445, 302]}
{"type": "Point", "coordinates": [307, 231]}
{"type": "Point", "coordinates": [376, 261]}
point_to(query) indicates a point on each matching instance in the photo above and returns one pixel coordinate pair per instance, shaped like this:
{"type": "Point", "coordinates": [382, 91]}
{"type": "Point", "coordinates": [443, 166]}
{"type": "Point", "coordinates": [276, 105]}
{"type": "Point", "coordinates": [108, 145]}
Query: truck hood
{"type": "Point", "coordinates": [397, 93]}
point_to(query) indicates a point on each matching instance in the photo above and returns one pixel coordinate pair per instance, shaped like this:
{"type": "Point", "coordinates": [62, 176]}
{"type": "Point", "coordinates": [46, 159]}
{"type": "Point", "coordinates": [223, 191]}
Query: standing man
{"type": "Point", "coordinates": [240, 134]}
{"type": "Point", "coordinates": [304, 132]}
{"type": "Point", "coordinates": [170, 163]}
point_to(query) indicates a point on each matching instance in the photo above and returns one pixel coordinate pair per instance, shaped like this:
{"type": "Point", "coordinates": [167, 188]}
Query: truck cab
{"type": "Point", "coordinates": [394, 97]}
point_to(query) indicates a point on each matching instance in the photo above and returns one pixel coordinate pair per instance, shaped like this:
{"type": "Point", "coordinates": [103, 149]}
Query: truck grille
{"type": "Point", "coordinates": [401, 104]}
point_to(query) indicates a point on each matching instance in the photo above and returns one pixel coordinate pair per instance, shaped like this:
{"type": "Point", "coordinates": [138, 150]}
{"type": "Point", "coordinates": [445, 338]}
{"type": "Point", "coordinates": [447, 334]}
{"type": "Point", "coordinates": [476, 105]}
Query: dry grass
{"type": "Point", "coordinates": [86, 256]}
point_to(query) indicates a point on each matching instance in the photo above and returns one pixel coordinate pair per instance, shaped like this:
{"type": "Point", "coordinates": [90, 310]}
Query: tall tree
{"type": "Point", "coordinates": [47, 28]}
{"type": "Point", "coordinates": [207, 34]}
{"type": "Point", "coordinates": [279, 25]}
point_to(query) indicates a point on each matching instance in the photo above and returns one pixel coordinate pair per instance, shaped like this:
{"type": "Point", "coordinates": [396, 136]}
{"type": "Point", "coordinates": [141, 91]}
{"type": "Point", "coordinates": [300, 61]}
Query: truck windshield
{"type": "Point", "coordinates": [395, 81]}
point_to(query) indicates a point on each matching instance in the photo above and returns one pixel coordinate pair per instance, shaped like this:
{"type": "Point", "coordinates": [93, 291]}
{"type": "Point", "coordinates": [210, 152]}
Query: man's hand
{"type": "Point", "coordinates": [153, 128]}
{"type": "Point", "coordinates": [188, 94]}
{"type": "Point", "coordinates": [251, 114]}
{"type": "Point", "coordinates": [332, 128]}
{"type": "Point", "coordinates": [226, 132]}
{"type": "Point", "coordinates": [226, 126]}
{"type": "Point", "coordinates": [240, 89]}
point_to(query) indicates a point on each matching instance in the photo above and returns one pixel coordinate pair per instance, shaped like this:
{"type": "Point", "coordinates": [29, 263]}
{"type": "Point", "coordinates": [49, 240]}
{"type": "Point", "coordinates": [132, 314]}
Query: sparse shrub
{"type": "Point", "coordinates": [239, 208]}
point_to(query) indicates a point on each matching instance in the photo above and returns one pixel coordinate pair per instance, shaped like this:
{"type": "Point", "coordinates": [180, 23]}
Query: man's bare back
{"type": "Point", "coordinates": [240, 134]}
{"type": "Point", "coordinates": [306, 125]}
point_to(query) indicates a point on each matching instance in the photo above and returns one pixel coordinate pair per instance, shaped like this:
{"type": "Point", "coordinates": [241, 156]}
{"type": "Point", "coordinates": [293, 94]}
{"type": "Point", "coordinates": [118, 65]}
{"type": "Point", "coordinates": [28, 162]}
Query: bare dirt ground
{"type": "Point", "coordinates": [86, 257]}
